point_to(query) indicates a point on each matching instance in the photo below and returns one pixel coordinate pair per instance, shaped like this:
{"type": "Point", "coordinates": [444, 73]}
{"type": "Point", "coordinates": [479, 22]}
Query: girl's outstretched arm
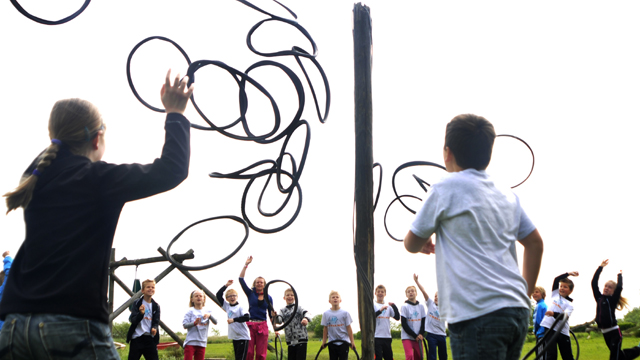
{"type": "Point", "coordinates": [244, 268]}
{"type": "Point", "coordinates": [424, 293]}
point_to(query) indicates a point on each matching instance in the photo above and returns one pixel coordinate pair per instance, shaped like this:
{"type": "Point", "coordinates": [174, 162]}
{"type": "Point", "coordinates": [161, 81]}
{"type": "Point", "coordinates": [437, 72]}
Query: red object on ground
{"type": "Point", "coordinates": [167, 345]}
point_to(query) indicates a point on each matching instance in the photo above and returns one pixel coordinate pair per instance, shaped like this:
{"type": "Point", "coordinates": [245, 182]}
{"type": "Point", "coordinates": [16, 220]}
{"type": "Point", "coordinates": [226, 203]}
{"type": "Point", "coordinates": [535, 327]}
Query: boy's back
{"type": "Point", "coordinates": [477, 224]}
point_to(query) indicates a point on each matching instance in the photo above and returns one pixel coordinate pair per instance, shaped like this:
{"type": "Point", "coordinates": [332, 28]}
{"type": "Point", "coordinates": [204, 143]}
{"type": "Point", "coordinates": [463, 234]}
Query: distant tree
{"type": "Point", "coordinates": [633, 316]}
{"type": "Point", "coordinates": [215, 331]}
{"type": "Point", "coordinates": [314, 326]}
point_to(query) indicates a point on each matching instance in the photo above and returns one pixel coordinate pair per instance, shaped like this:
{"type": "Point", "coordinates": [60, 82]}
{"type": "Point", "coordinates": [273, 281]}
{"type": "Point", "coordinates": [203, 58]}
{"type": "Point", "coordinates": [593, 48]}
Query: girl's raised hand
{"type": "Point", "coordinates": [249, 260]}
{"type": "Point", "coordinates": [175, 97]}
{"type": "Point", "coordinates": [605, 263]}
{"type": "Point", "coordinates": [229, 283]}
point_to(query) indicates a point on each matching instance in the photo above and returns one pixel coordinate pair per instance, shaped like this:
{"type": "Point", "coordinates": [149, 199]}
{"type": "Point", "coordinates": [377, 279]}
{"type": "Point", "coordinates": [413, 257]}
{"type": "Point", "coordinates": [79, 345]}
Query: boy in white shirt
{"type": "Point", "coordinates": [143, 332]}
{"type": "Point", "coordinates": [384, 313]}
{"type": "Point", "coordinates": [337, 329]}
{"type": "Point", "coordinates": [560, 304]}
{"type": "Point", "coordinates": [237, 319]}
{"type": "Point", "coordinates": [477, 224]}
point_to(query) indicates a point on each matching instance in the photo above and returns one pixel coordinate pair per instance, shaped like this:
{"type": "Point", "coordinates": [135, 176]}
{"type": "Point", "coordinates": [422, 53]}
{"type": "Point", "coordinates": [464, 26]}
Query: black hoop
{"type": "Point", "coordinates": [49, 22]}
{"type": "Point", "coordinates": [335, 341]}
{"type": "Point", "coordinates": [270, 306]}
{"type": "Point", "coordinates": [203, 267]}
{"type": "Point", "coordinates": [420, 181]}
{"type": "Point", "coordinates": [386, 212]}
{"type": "Point", "coordinates": [562, 320]}
{"type": "Point", "coordinates": [533, 157]}
{"type": "Point", "coordinates": [130, 80]}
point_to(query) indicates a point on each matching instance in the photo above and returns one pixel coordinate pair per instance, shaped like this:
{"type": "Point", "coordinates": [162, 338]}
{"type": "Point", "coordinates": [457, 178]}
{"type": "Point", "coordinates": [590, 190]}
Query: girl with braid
{"type": "Point", "coordinates": [54, 304]}
{"type": "Point", "coordinates": [607, 302]}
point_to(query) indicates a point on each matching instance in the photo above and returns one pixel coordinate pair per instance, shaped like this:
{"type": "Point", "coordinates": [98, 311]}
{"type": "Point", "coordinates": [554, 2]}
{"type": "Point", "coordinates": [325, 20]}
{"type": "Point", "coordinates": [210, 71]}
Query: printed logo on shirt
{"type": "Point", "coordinates": [435, 315]}
{"type": "Point", "coordinates": [147, 314]}
{"type": "Point", "coordinates": [333, 322]}
{"type": "Point", "coordinates": [229, 314]}
{"type": "Point", "coordinates": [382, 314]}
{"type": "Point", "coordinates": [414, 316]}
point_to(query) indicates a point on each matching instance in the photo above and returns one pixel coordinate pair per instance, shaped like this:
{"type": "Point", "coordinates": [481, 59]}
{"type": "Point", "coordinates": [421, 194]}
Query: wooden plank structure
{"type": "Point", "coordinates": [364, 240]}
{"type": "Point", "coordinates": [113, 279]}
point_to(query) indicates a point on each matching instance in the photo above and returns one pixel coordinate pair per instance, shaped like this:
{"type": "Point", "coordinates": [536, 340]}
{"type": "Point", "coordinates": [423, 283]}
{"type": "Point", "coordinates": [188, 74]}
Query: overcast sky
{"type": "Point", "coordinates": [563, 77]}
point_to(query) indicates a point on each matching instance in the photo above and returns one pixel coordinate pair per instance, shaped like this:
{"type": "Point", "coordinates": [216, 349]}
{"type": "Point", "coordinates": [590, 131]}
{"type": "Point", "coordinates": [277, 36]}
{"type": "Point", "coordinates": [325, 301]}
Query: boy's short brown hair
{"type": "Point", "coordinates": [470, 138]}
{"type": "Point", "coordinates": [543, 293]}
{"type": "Point", "coordinates": [409, 287]}
{"type": "Point", "coordinates": [380, 287]}
{"type": "Point", "coordinates": [568, 282]}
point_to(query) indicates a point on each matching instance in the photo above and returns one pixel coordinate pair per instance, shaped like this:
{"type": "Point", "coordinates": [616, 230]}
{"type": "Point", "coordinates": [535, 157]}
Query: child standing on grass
{"type": "Point", "coordinates": [477, 223]}
{"type": "Point", "coordinates": [145, 321]}
{"type": "Point", "coordinates": [337, 329]}
{"type": "Point", "coordinates": [196, 321]}
{"type": "Point", "coordinates": [384, 313]}
{"type": "Point", "coordinates": [436, 331]}
{"type": "Point", "coordinates": [606, 304]}
{"type": "Point", "coordinates": [237, 319]}
{"type": "Point", "coordinates": [539, 294]}
{"type": "Point", "coordinates": [296, 332]}
{"type": "Point", "coordinates": [560, 304]}
{"type": "Point", "coordinates": [413, 319]}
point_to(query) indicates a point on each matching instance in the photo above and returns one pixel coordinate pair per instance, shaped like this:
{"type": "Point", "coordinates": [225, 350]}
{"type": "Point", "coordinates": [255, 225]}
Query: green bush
{"type": "Point", "coordinates": [358, 335]}
{"type": "Point", "coordinates": [633, 316]}
{"type": "Point", "coordinates": [314, 327]}
{"type": "Point", "coordinates": [119, 330]}
{"type": "Point", "coordinates": [626, 325]}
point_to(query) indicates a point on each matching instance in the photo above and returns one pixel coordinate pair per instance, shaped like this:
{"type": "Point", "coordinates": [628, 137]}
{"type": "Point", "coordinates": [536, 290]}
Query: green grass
{"type": "Point", "coordinates": [592, 348]}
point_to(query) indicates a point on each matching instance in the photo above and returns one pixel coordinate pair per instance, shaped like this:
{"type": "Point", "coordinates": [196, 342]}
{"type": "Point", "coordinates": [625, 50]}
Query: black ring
{"type": "Point", "coordinates": [563, 319]}
{"type": "Point", "coordinates": [386, 212]}
{"type": "Point", "coordinates": [275, 345]}
{"type": "Point", "coordinates": [270, 306]}
{"type": "Point", "coordinates": [533, 158]}
{"type": "Point", "coordinates": [193, 67]}
{"type": "Point", "coordinates": [49, 22]}
{"type": "Point", "coordinates": [135, 48]}
{"type": "Point", "coordinates": [203, 267]}
{"type": "Point", "coordinates": [375, 202]}
{"type": "Point", "coordinates": [335, 341]}
{"type": "Point", "coordinates": [406, 165]}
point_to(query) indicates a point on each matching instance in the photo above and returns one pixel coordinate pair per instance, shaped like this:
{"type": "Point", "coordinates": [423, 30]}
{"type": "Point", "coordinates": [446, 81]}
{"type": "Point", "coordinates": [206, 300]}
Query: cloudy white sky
{"type": "Point", "coordinates": [561, 76]}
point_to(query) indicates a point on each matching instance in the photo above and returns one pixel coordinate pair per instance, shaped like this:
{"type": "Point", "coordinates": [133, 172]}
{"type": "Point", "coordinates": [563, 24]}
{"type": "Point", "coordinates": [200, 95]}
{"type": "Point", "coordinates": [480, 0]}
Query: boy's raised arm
{"type": "Point", "coordinates": [533, 249]}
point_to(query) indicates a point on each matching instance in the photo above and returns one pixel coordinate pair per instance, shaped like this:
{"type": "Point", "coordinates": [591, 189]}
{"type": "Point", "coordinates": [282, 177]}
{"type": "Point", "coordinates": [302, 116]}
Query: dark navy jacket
{"type": "Point", "coordinates": [136, 316]}
{"type": "Point", "coordinates": [62, 265]}
{"type": "Point", "coordinates": [606, 305]}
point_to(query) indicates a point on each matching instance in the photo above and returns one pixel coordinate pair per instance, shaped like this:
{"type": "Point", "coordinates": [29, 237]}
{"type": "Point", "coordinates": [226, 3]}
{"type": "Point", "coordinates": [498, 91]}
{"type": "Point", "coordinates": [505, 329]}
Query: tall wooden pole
{"type": "Point", "coordinates": [363, 250]}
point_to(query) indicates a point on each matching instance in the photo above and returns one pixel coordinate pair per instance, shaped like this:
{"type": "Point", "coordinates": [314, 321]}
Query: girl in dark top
{"type": "Point", "coordinates": [606, 304]}
{"type": "Point", "coordinates": [55, 299]}
{"type": "Point", "coordinates": [258, 312]}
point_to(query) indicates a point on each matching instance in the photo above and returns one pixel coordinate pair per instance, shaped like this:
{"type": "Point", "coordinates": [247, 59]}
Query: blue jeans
{"type": "Point", "coordinates": [53, 336]}
{"type": "Point", "coordinates": [499, 335]}
{"type": "Point", "coordinates": [437, 347]}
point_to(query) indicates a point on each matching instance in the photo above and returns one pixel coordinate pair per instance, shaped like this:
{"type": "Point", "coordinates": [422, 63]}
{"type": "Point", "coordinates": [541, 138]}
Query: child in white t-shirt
{"type": "Point", "coordinates": [196, 321]}
{"type": "Point", "coordinates": [237, 319]}
{"type": "Point", "coordinates": [477, 223]}
{"type": "Point", "coordinates": [413, 317]}
{"type": "Point", "coordinates": [560, 304]}
{"type": "Point", "coordinates": [337, 329]}
{"type": "Point", "coordinates": [384, 313]}
{"type": "Point", "coordinates": [435, 328]}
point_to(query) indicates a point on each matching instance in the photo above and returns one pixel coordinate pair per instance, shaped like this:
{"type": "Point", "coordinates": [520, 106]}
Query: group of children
{"type": "Point", "coordinates": [545, 314]}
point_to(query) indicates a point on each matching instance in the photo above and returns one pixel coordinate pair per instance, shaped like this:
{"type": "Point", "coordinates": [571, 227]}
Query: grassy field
{"type": "Point", "coordinates": [592, 348]}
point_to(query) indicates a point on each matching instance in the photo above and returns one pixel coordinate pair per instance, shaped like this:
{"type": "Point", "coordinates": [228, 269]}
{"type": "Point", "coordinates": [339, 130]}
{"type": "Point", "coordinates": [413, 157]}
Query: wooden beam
{"type": "Point", "coordinates": [364, 240]}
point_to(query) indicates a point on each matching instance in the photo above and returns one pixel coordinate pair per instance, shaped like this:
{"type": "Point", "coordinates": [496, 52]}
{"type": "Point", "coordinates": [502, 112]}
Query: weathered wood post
{"type": "Point", "coordinates": [363, 249]}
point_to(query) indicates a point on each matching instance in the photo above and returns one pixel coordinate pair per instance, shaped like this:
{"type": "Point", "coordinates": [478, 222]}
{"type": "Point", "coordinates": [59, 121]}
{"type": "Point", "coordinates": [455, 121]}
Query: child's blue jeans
{"type": "Point", "coordinates": [52, 336]}
{"type": "Point", "coordinates": [499, 335]}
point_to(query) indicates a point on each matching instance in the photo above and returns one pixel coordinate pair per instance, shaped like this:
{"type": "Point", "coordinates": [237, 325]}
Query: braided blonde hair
{"type": "Point", "coordinates": [74, 122]}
